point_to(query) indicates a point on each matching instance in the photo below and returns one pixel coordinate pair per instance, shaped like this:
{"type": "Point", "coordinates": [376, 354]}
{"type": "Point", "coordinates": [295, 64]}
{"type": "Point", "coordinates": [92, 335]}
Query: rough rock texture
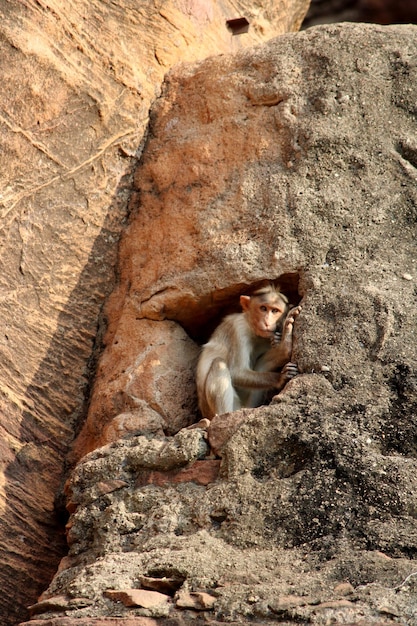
{"type": "Point", "coordinates": [77, 81]}
{"type": "Point", "coordinates": [295, 161]}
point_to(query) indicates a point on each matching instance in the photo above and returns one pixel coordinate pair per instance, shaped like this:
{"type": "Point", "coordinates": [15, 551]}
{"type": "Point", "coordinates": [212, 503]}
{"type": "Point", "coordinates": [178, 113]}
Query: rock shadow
{"type": "Point", "coordinates": [32, 526]}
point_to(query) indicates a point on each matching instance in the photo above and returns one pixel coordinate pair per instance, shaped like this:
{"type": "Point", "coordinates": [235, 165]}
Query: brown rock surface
{"type": "Point", "coordinates": [77, 81]}
{"type": "Point", "coordinates": [105, 621]}
{"type": "Point", "coordinates": [302, 171]}
{"type": "Point", "coordinates": [138, 597]}
{"type": "Point", "coordinates": [222, 428]}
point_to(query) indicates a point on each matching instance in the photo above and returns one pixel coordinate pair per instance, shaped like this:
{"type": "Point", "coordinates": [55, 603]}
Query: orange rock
{"type": "Point", "coordinates": [197, 600]}
{"type": "Point", "coordinates": [138, 597]}
{"type": "Point", "coordinates": [108, 486]}
{"type": "Point", "coordinates": [222, 427]}
{"type": "Point", "coordinates": [200, 472]}
{"type": "Point", "coordinates": [283, 603]}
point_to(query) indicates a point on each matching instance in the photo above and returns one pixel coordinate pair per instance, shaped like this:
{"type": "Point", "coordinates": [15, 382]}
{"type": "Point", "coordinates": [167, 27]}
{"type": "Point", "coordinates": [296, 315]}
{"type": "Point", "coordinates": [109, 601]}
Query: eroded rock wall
{"type": "Point", "coordinates": [294, 161]}
{"type": "Point", "coordinates": [77, 81]}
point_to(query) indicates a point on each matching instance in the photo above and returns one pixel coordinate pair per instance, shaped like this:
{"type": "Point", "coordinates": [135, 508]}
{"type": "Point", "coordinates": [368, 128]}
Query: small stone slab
{"type": "Point", "coordinates": [284, 603]}
{"type": "Point", "coordinates": [197, 600]}
{"type": "Point", "coordinates": [200, 472]}
{"type": "Point", "coordinates": [108, 486]}
{"type": "Point", "coordinates": [222, 427]}
{"type": "Point", "coordinates": [344, 589]}
{"type": "Point", "coordinates": [335, 604]}
{"type": "Point", "coordinates": [56, 603]}
{"type": "Point", "coordinates": [138, 597]}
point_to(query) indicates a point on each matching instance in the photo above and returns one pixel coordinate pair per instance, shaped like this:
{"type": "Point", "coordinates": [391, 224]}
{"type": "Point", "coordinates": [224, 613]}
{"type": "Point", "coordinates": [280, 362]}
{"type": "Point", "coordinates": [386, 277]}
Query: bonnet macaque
{"type": "Point", "coordinates": [240, 362]}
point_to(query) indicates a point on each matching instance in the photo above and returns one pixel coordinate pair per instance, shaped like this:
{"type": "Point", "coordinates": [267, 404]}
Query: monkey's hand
{"type": "Point", "coordinates": [289, 325]}
{"type": "Point", "coordinates": [291, 317]}
{"type": "Point", "coordinates": [276, 338]}
{"type": "Point", "coordinates": [289, 371]}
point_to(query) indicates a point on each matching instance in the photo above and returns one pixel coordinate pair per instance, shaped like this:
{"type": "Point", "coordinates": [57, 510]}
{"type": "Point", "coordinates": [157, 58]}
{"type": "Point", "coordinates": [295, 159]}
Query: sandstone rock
{"type": "Point", "coordinates": [334, 604]}
{"type": "Point", "coordinates": [140, 422]}
{"type": "Point", "coordinates": [150, 386]}
{"type": "Point", "coordinates": [283, 603]}
{"type": "Point", "coordinates": [164, 584]}
{"type": "Point", "coordinates": [57, 603]}
{"type": "Point", "coordinates": [200, 472]}
{"type": "Point", "coordinates": [138, 597]}
{"type": "Point", "coordinates": [198, 601]}
{"type": "Point", "coordinates": [344, 589]}
{"type": "Point", "coordinates": [147, 621]}
{"type": "Point", "coordinates": [284, 171]}
{"type": "Point", "coordinates": [78, 80]}
{"type": "Point", "coordinates": [222, 428]}
{"type": "Point", "coordinates": [280, 170]}
{"type": "Point", "coordinates": [99, 621]}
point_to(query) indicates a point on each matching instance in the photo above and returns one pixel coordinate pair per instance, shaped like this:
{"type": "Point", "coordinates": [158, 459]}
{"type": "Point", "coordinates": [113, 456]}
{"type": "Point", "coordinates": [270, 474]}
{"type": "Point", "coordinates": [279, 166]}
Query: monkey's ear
{"type": "Point", "coordinates": [245, 302]}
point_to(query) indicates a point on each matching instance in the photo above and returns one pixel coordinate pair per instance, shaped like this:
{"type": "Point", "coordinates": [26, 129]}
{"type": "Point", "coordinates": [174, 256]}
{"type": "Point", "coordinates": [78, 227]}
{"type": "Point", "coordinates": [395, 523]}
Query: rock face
{"type": "Point", "coordinates": [294, 161]}
{"type": "Point", "coordinates": [77, 82]}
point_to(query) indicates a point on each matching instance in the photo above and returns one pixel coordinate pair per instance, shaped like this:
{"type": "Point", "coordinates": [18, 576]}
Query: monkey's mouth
{"type": "Point", "coordinates": [266, 334]}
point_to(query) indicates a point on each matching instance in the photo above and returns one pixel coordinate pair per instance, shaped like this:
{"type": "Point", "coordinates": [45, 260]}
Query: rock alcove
{"type": "Point", "coordinates": [199, 319]}
{"type": "Point", "coordinates": [151, 390]}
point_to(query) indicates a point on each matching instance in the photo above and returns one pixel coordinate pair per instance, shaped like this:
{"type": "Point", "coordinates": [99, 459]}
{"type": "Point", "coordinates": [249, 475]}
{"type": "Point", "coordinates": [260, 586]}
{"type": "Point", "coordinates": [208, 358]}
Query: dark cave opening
{"type": "Point", "coordinates": [200, 318]}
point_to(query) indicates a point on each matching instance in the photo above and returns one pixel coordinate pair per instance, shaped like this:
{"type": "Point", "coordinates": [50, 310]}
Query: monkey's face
{"type": "Point", "coordinates": [268, 318]}
{"type": "Point", "coordinates": [265, 313]}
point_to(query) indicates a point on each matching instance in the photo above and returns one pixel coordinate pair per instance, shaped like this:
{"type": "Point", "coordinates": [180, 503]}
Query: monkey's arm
{"type": "Point", "coordinates": [240, 362]}
{"type": "Point", "coordinates": [274, 358]}
{"type": "Point", "coordinates": [280, 354]}
{"type": "Point", "coordinates": [251, 379]}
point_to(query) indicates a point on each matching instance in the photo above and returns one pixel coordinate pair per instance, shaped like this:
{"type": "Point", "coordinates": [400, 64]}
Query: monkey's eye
{"type": "Point", "coordinates": [275, 311]}
{"type": "Point", "coordinates": [263, 308]}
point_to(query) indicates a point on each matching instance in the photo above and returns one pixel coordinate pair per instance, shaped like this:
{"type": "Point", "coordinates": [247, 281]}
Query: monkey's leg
{"type": "Point", "coordinates": [220, 394]}
{"type": "Point", "coordinates": [256, 398]}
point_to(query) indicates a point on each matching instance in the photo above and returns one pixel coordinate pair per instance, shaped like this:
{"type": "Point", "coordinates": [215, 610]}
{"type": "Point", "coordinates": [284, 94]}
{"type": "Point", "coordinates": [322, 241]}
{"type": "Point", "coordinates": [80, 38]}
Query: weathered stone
{"type": "Point", "coordinates": [200, 472]}
{"type": "Point", "coordinates": [334, 604]}
{"type": "Point", "coordinates": [199, 601]}
{"type": "Point", "coordinates": [164, 584]}
{"type": "Point", "coordinates": [109, 486]}
{"type": "Point", "coordinates": [222, 427]}
{"type": "Point", "coordinates": [56, 603]}
{"type": "Point", "coordinates": [77, 82]}
{"type": "Point", "coordinates": [139, 422]}
{"type": "Point", "coordinates": [283, 603]}
{"type": "Point", "coordinates": [282, 170]}
{"type": "Point", "coordinates": [159, 380]}
{"type": "Point", "coordinates": [138, 597]}
{"type": "Point", "coordinates": [96, 621]}
{"type": "Point", "coordinates": [344, 589]}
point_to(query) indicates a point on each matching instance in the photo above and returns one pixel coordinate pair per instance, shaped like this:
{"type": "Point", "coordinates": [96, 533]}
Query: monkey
{"type": "Point", "coordinates": [240, 361]}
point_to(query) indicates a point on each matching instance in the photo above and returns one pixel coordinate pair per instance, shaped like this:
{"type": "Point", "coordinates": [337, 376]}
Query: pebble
{"type": "Point", "coordinates": [344, 589]}
{"type": "Point", "coordinates": [407, 276]}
